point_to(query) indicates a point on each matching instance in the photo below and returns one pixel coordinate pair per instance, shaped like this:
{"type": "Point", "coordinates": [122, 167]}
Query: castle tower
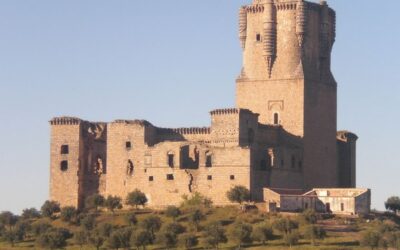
{"type": "Point", "coordinates": [286, 77]}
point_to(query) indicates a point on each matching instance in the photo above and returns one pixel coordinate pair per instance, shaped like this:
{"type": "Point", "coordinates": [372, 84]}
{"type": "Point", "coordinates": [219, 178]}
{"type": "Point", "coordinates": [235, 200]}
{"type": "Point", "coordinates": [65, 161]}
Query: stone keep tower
{"type": "Point", "coordinates": [286, 77]}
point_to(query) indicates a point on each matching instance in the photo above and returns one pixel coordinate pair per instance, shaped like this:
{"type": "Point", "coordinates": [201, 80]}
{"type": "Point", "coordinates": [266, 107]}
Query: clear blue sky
{"type": "Point", "coordinates": [170, 62]}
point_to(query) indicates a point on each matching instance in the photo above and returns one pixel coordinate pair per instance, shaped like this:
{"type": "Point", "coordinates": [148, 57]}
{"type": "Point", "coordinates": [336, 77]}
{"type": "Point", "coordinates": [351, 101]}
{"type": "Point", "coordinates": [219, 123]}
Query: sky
{"type": "Point", "coordinates": [171, 62]}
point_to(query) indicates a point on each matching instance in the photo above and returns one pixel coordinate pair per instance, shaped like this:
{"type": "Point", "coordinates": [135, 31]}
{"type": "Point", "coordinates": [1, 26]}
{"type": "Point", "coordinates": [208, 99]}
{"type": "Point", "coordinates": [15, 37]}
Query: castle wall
{"type": "Point", "coordinates": [346, 145]}
{"type": "Point", "coordinates": [65, 179]}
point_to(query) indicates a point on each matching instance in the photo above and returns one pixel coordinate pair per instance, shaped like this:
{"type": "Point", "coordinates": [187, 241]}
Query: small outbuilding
{"type": "Point", "coordinates": [347, 201]}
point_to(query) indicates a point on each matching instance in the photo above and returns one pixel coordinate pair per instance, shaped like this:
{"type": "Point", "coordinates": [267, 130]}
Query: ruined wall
{"type": "Point", "coordinates": [170, 169]}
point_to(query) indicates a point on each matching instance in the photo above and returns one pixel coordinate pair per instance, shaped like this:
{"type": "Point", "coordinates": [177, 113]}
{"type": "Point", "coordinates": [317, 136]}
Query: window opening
{"type": "Point", "coordinates": [170, 177]}
{"type": "Point", "coordinates": [232, 177]}
{"type": "Point", "coordinates": [208, 160]}
{"type": "Point", "coordinates": [64, 149]}
{"type": "Point", "coordinates": [151, 178]}
{"type": "Point", "coordinates": [258, 37]}
{"type": "Point", "coordinates": [209, 177]}
{"type": "Point", "coordinates": [130, 168]}
{"type": "Point", "coordinates": [128, 145]}
{"type": "Point", "coordinates": [64, 166]}
{"type": "Point", "coordinates": [171, 160]}
{"type": "Point", "coordinates": [276, 119]}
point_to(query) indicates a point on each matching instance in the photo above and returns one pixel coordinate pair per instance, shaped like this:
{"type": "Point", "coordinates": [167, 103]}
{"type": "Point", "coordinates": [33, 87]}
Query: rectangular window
{"type": "Point", "coordinates": [258, 37]}
{"type": "Point", "coordinates": [232, 177]}
{"type": "Point", "coordinates": [208, 161]}
{"type": "Point", "coordinates": [170, 177]}
{"type": "Point", "coordinates": [64, 149]}
{"type": "Point", "coordinates": [64, 166]}
{"type": "Point", "coordinates": [171, 160]}
{"type": "Point", "coordinates": [209, 177]}
{"type": "Point", "coordinates": [151, 178]}
{"type": "Point", "coordinates": [342, 207]}
{"type": "Point", "coordinates": [128, 145]}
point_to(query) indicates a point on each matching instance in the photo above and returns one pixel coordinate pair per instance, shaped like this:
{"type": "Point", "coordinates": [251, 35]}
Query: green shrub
{"type": "Point", "coordinates": [313, 233]}
{"type": "Point", "coordinates": [172, 212]}
{"type": "Point", "coordinates": [214, 234]}
{"type": "Point", "coordinates": [241, 233]}
{"type": "Point", "coordinates": [68, 213]}
{"type": "Point", "coordinates": [291, 238]}
{"type": "Point", "coordinates": [136, 199]}
{"type": "Point", "coordinates": [49, 208]}
{"type": "Point", "coordinates": [371, 238]}
{"type": "Point", "coordinates": [263, 233]}
{"type": "Point", "coordinates": [188, 240]}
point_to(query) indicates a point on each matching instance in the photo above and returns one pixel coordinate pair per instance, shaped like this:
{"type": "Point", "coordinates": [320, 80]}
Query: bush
{"type": "Point", "coordinates": [196, 200]}
{"type": "Point", "coordinates": [371, 238]}
{"type": "Point", "coordinates": [80, 238]}
{"type": "Point", "coordinates": [49, 208]}
{"type": "Point", "coordinates": [263, 233]}
{"type": "Point", "coordinates": [131, 219]}
{"type": "Point", "coordinates": [40, 227]}
{"type": "Point", "coordinates": [68, 213]}
{"type": "Point", "coordinates": [291, 238]}
{"type": "Point", "coordinates": [313, 233]}
{"type": "Point", "coordinates": [112, 203]}
{"type": "Point", "coordinates": [172, 212]}
{"type": "Point", "coordinates": [309, 216]}
{"type": "Point", "coordinates": [94, 202]}
{"type": "Point", "coordinates": [188, 240]}
{"type": "Point", "coordinates": [151, 224]}
{"type": "Point", "coordinates": [241, 233]}
{"type": "Point", "coordinates": [12, 236]}
{"type": "Point", "coordinates": [104, 230]}
{"type": "Point", "coordinates": [393, 240]}
{"type": "Point", "coordinates": [214, 234]}
{"type": "Point", "coordinates": [238, 194]}
{"type": "Point", "coordinates": [88, 222]}
{"type": "Point", "coordinates": [141, 238]}
{"type": "Point", "coordinates": [120, 238]}
{"type": "Point", "coordinates": [30, 213]}
{"type": "Point", "coordinates": [174, 228]}
{"type": "Point", "coordinates": [8, 219]}
{"type": "Point", "coordinates": [95, 239]}
{"type": "Point", "coordinates": [195, 217]}
{"type": "Point", "coordinates": [53, 239]}
{"type": "Point", "coordinates": [22, 228]}
{"type": "Point", "coordinates": [136, 199]}
{"type": "Point", "coordinates": [285, 225]}
{"type": "Point", "coordinates": [393, 204]}
{"type": "Point", "coordinates": [167, 239]}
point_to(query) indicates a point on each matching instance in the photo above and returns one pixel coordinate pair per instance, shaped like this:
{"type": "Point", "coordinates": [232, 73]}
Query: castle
{"type": "Point", "coordinates": [281, 134]}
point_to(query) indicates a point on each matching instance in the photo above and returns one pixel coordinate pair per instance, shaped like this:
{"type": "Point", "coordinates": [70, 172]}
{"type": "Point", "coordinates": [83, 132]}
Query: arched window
{"type": "Point", "coordinates": [129, 168]}
{"type": "Point", "coordinates": [276, 119]}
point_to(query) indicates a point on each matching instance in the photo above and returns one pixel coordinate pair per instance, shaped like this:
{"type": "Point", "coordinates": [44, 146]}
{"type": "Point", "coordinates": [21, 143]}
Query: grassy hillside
{"type": "Point", "coordinates": [341, 232]}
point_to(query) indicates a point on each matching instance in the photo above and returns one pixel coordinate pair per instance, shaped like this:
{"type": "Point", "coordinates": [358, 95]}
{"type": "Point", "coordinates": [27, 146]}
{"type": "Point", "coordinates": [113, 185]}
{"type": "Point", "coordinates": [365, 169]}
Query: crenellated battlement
{"type": "Point", "coordinates": [185, 131]}
{"type": "Point", "coordinates": [230, 111]}
{"type": "Point", "coordinates": [258, 8]}
{"type": "Point", "coordinates": [65, 120]}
